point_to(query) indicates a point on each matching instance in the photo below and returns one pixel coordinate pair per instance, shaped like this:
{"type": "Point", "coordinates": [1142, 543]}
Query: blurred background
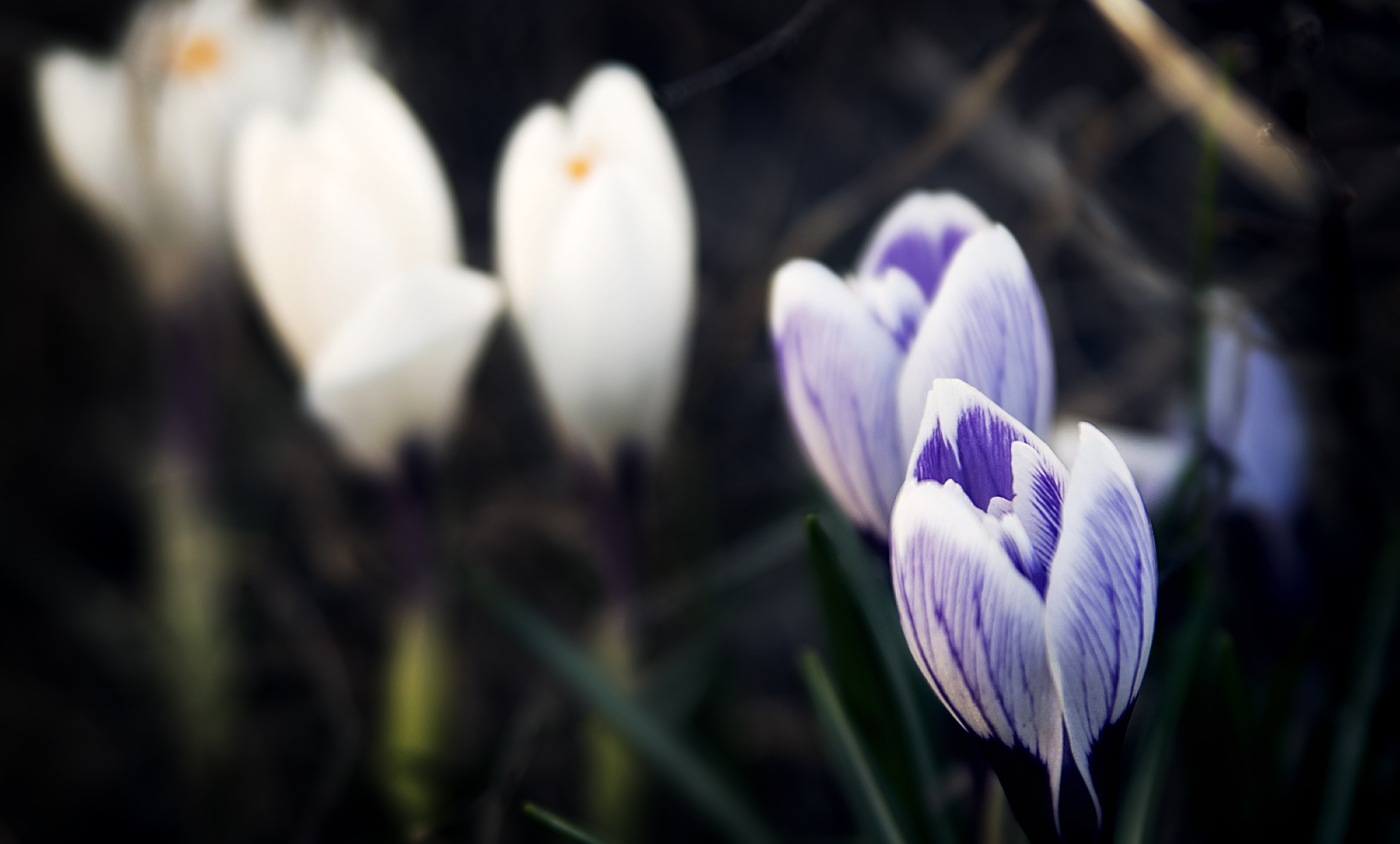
{"type": "Point", "coordinates": [1034, 110]}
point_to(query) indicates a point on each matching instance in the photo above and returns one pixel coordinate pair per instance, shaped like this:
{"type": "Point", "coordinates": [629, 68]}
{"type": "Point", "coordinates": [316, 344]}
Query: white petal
{"type": "Point", "coordinates": [255, 62]}
{"type": "Point", "coordinates": [83, 107]}
{"type": "Point", "coordinates": [395, 368]}
{"type": "Point", "coordinates": [532, 189]}
{"type": "Point", "coordinates": [974, 624]}
{"type": "Point", "coordinates": [920, 235]}
{"type": "Point", "coordinates": [326, 210]}
{"type": "Point", "coordinates": [607, 326]}
{"type": "Point", "coordinates": [986, 326]}
{"type": "Point", "coordinates": [1155, 461]}
{"type": "Point", "coordinates": [1101, 604]}
{"type": "Point", "coordinates": [614, 110]}
{"type": "Point", "coordinates": [838, 366]}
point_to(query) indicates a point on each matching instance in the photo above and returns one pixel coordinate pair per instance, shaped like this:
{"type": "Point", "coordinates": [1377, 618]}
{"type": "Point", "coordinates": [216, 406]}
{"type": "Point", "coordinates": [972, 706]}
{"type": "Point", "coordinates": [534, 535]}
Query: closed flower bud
{"type": "Point", "coordinates": [1028, 597]}
{"type": "Point", "coordinates": [345, 225]}
{"type": "Point", "coordinates": [595, 242]}
{"type": "Point", "coordinates": [939, 293]}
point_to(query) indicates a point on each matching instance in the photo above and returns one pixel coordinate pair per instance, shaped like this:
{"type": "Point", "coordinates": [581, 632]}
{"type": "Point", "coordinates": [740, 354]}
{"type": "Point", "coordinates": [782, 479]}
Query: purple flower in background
{"type": "Point", "coordinates": [938, 292]}
{"type": "Point", "coordinates": [1027, 595]}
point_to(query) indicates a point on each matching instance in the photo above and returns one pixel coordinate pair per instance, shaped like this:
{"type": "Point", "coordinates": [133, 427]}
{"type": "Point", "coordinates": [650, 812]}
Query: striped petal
{"type": "Point", "coordinates": [838, 365]}
{"type": "Point", "coordinates": [973, 623]}
{"type": "Point", "coordinates": [920, 235]}
{"type": "Point", "coordinates": [986, 326]}
{"type": "Point", "coordinates": [1101, 603]}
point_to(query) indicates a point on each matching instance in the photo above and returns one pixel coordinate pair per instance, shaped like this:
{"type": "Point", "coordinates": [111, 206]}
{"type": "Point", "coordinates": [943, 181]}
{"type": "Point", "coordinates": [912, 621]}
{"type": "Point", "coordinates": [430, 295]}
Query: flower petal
{"type": "Point", "coordinates": [613, 116]}
{"type": "Point", "coordinates": [531, 188]}
{"type": "Point", "coordinates": [322, 212]}
{"type": "Point", "coordinates": [838, 367]}
{"type": "Point", "coordinates": [919, 235]}
{"type": "Point", "coordinates": [396, 366]}
{"type": "Point", "coordinates": [83, 110]}
{"type": "Point", "coordinates": [973, 623]}
{"type": "Point", "coordinates": [986, 326]}
{"type": "Point", "coordinates": [607, 326]}
{"type": "Point", "coordinates": [1101, 603]}
{"type": "Point", "coordinates": [1253, 413]}
{"type": "Point", "coordinates": [1156, 461]}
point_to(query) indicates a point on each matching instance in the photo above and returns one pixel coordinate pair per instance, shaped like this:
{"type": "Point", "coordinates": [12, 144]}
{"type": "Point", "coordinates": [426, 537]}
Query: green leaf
{"type": "Point", "coordinates": [1368, 674]}
{"type": "Point", "coordinates": [858, 776]}
{"type": "Point", "coordinates": [874, 668]}
{"type": "Point", "coordinates": [672, 757]}
{"type": "Point", "coordinates": [1138, 815]}
{"type": "Point", "coordinates": [561, 826]}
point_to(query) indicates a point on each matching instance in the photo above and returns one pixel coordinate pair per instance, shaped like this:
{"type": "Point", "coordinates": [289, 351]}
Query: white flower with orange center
{"type": "Point", "coordinates": [143, 138]}
{"type": "Point", "coordinates": [595, 241]}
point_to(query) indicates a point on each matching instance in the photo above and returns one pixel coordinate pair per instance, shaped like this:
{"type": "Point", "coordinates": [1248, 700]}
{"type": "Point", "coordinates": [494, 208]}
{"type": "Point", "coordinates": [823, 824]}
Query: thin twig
{"type": "Point", "coordinates": [817, 228]}
{"type": "Point", "coordinates": [745, 60]}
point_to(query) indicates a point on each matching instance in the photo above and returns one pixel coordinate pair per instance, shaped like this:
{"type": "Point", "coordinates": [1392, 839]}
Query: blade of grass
{"type": "Point", "coordinates": [668, 753]}
{"type": "Point", "coordinates": [875, 598]}
{"type": "Point", "coordinates": [858, 669]}
{"type": "Point", "coordinates": [1354, 718]}
{"type": "Point", "coordinates": [561, 826]}
{"type": "Point", "coordinates": [1138, 815]}
{"type": "Point", "coordinates": [862, 784]}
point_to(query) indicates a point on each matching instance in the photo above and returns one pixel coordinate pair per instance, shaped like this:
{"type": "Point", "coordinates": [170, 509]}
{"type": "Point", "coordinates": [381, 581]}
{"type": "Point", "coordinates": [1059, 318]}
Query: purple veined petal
{"type": "Point", "coordinates": [1101, 604]}
{"type": "Point", "coordinates": [920, 235]}
{"type": "Point", "coordinates": [896, 302]}
{"type": "Point", "coordinates": [974, 624]}
{"type": "Point", "coordinates": [998, 464]}
{"type": "Point", "coordinates": [987, 326]}
{"type": "Point", "coordinates": [838, 366]}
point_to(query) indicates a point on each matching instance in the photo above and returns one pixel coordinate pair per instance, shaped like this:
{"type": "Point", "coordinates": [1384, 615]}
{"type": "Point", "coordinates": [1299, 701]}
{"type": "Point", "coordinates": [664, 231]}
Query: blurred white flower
{"type": "Point", "coordinates": [595, 241]}
{"type": "Point", "coordinates": [346, 228]}
{"type": "Point", "coordinates": [143, 138]}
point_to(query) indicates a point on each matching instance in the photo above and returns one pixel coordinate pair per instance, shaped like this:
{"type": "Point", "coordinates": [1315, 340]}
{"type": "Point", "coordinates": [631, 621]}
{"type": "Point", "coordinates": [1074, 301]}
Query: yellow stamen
{"type": "Point", "coordinates": [196, 56]}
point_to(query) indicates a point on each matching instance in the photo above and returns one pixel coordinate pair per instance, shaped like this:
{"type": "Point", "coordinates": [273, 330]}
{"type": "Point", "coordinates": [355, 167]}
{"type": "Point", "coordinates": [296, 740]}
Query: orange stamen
{"type": "Point", "coordinates": [197, 56]}
{"type": "Point", "coordinates": [578, 167]}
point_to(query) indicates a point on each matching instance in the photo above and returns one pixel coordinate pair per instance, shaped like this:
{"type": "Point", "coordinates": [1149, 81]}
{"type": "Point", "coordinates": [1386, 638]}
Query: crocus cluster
{"type": "Point", "coordinates": [1027, 593]}
{"type": "Point", "coordinates": [938, 292]}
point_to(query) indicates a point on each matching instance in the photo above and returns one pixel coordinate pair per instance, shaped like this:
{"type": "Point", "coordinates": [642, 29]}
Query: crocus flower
{"type": "Point", "coordinates": [595, 241]}
{"type": "Point", "coordinates": [1253, 417]}
{"type": "Point", "coordinates": [1028, 596]}
{"type": "Point", "coordinates": [346, 228]}
{"type": "Point", "coordinates": [1253, 414]}
{"type": "Point", "coordinates": [143, 138]}
{"type": "Point", "coordinates": [938, 292]}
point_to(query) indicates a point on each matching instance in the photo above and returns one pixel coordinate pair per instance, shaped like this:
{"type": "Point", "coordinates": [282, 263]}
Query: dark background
{"type": "Point", "coordinates": [1096, 178]}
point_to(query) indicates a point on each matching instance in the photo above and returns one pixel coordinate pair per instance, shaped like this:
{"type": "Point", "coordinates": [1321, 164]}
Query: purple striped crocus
{"type": "Point", "coordinates": [1028, 596]}
{"type": "Point", "coordinates": [938, 292]}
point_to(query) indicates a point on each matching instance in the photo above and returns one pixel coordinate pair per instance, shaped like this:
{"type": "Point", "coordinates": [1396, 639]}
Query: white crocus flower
{"type": "Point", "coordinates": [346, 228]}
{"type": "Point", "coordinates": [595, 240]}
{"type": "Point", "coordinates": [143, 138]}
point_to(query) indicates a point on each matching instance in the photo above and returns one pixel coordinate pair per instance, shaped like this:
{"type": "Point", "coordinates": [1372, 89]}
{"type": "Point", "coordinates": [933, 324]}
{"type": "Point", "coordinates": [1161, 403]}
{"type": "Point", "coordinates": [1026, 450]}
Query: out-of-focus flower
{"type": "Point", "coordinates": [1028, 596]}
{"type": "Point", "coordinates": [143, 138]}
{"type": "Point", "coordinates": [1253, 414]}
{"type": "Point", "coordinates": [595, 241]}
{"type": "Point", "coordinates": [939, 293]}
{"type": "Point", "coordinates": [345, 225]}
